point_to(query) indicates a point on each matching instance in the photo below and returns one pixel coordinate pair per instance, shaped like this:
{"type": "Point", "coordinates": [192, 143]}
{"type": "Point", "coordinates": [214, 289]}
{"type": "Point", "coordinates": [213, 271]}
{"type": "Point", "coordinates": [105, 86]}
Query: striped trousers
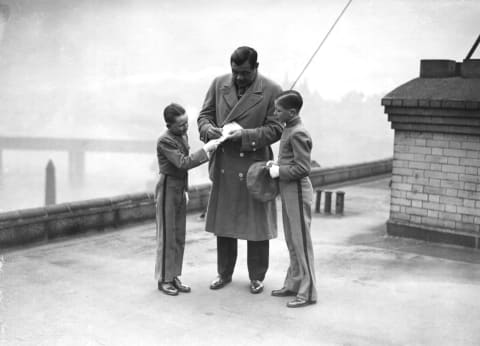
{"type": "Point", "coordinates": [297, 198]}
{"type": "Point", "coordinates": [171, 208]}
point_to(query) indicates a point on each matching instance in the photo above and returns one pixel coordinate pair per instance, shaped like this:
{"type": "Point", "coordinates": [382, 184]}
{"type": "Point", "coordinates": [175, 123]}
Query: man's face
{"type": "Point", "coordinates": [180, 126]}
{"type": "Point", "coordinates": [244, 74]}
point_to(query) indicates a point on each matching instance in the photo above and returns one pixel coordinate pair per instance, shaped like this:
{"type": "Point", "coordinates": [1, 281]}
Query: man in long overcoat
{"type": "Point", "coordinates": [247, 98]}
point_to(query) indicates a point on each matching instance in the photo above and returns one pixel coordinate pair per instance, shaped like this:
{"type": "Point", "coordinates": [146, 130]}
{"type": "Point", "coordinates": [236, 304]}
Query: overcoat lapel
{"type": "Point", "coordinates": [229, 95]}
{"type": "Point", "coordinates": [181, 141]}
{"type": "Point", "coordinates": [252, 97]}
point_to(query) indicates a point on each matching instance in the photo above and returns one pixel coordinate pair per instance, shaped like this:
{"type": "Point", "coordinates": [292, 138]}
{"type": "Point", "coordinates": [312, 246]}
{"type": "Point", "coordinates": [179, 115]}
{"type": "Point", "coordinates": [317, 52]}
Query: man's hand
{"type": "Point", "coordinates": [214, 133]}
{"type": "Point", "coordinates": [235, 135]}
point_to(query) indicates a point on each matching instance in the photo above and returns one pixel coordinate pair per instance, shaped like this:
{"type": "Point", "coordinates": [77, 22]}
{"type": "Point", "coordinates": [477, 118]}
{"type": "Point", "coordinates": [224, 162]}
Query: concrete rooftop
{"type": "Point", "coordinates": [373, 290]}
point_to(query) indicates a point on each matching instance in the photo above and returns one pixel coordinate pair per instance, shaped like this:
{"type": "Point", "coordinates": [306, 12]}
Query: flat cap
{"type": "Point", "coordinates": [261, 186]}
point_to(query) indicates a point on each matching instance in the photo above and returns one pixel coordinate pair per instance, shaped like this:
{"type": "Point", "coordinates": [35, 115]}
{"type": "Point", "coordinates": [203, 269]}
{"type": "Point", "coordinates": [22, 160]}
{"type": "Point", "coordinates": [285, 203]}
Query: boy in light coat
{"type": "Point", "coordinates": [296, 193]}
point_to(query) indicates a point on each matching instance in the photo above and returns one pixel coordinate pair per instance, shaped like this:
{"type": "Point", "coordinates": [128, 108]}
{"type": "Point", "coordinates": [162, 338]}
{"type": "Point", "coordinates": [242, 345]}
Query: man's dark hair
{"type": "Point", "coordinates": [290, 99]}
{"type": "Point", "coordinates": [242, 54]}
{"type": "Point", "coordinates": [172, 111]}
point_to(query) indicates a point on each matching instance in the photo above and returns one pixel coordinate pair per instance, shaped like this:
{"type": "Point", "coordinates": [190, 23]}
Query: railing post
{"type": "Point", "coordinates": [339, 202]}
{"type": "Point", "coordinates": [327, 208]}
{"type": "Point", "coordinates": [317, 201]}
{"type": "Point", "coordinates": [50, 190]}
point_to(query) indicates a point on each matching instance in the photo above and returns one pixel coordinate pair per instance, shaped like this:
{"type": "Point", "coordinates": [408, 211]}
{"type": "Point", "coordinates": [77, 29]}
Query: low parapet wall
{"type": "Point", "coordinates": [41, 224]}
{"type": "Point", "coordinates": [27, 226]}
{"type": "Point", "coordinates": [339, 174]}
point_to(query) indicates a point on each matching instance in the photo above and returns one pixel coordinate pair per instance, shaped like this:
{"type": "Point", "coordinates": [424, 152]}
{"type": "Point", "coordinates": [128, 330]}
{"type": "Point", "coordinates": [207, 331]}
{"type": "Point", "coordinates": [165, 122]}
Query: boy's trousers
{"type": "Point", "coordinates": [171, 207]}
{"type": "Point", "coordinates": [297, 197]}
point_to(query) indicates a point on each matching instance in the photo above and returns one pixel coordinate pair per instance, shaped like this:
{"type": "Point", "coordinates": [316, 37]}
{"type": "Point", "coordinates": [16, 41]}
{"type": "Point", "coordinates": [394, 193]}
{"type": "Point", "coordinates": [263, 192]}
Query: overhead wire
{"type": "Point", "coordinates": [321, 43]}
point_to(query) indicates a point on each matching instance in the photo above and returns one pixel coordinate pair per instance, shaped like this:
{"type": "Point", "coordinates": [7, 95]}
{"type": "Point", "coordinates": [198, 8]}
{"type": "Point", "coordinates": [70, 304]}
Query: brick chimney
{"type": "Point", "coordinates": [435, 194]}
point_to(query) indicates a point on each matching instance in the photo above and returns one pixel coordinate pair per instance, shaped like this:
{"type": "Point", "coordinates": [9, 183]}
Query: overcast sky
{"type": "Point", "coordinates": [376, 45]}
{"type": "Point", "coordinates": [82, 63]}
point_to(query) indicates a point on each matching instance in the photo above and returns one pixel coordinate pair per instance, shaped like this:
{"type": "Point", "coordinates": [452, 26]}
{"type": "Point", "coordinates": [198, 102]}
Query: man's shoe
{"type": "Point", "coordinates": [283, 292]}
{"type": "Point", "coordinates": [180, 287]}
{"type": "Point", "coordinates": [256, 286]}
{"type": "Point", "coordinates": [300, 302]}
{"type": "Point", "coordinates": [167, 288]}
{"type": "Point", "coordinates": [219, 282]}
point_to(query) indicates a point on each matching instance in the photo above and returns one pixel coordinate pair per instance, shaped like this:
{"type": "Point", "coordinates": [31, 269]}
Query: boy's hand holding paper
{"type": "Point", "coordinates": [211, 145]}
{"type": "Point", "coordinates": [274, 171]}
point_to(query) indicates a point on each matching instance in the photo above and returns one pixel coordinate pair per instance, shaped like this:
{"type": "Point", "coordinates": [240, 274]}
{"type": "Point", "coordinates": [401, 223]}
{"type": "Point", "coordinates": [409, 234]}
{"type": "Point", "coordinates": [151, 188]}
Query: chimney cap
{"type": "Point", "coordinates": [443, 84]}
{"type": "Point", "coordinates": [435, 68]}
{"type": "Point", "coordinates": [442, 68]}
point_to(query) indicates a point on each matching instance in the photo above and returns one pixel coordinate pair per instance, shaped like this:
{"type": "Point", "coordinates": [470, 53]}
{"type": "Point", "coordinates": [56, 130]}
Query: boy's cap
{"type": "Point", "coordinates": [261, 186]}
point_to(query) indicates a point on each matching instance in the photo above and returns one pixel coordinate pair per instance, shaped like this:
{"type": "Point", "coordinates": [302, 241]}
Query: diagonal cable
{"type": "Point", "coordinates": [321, 43]}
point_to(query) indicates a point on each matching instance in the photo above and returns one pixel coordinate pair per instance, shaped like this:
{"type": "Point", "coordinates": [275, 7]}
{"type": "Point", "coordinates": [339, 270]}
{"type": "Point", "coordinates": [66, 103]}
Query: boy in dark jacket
{"type": "Point", "coordinates": [296, 192]}
{"type": "Point", "coordinates": [174, 161]}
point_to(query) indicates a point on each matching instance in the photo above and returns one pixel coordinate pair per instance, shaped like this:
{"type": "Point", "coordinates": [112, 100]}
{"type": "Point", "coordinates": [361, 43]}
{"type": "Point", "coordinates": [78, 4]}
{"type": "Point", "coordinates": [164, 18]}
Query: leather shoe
{"type": "Point", "coordinates": [283, 292]}
{"type": "Point", "coordinates": [300, 302]}
{"type": "Point", "coordinates": [181, 287]}
{"type": "Point", "coordinates": [256, 286]}
{"type": "Point", "coordinates": [219, 282]}
{"type": "Point", "coordinates": [167, 288]}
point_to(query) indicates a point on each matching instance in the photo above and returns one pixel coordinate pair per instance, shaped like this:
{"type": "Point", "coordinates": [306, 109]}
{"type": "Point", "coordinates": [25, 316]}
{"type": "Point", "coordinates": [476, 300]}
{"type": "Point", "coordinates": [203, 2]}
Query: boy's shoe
{"type": "Point", "coordinates": [283, 292]}
{"type": "Point", "coordinates": [167, 288]}
{"type": "Point", "coordinates": [220, 282]}
{"type": "Point", "coordinates": [300, 302]}
{"type": "Point", "coordinates": [181, 287]}
{"type": "Point", "coordinates": [256, 286]}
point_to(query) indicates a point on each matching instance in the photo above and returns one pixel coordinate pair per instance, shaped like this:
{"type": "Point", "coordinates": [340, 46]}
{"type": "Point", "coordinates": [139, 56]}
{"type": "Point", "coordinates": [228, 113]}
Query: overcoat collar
{"type": "Point", "coordinates": [294, 121]}
{"type": "Point", "coordinates": [181, 140]}
{"type": "Point", "coordinates": [253, 95]}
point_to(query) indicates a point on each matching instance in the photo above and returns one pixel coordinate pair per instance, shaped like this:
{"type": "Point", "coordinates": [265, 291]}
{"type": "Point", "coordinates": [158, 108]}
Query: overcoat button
{"type": "Point", "coordinates": [222, 170]}
{"type": "Point", "coordinates": [242, 155]}
{"type": "Point", "coordinates": [240, 175]}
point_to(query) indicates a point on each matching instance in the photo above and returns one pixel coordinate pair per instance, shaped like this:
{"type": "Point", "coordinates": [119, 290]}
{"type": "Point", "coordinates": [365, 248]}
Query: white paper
{"type": "Point", "coordinates": [228, 129]}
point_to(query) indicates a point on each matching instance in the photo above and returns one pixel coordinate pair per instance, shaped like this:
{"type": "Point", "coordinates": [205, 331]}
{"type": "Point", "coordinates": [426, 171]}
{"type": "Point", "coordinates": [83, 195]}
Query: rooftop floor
{"type": "Point", "coordinates": [372, 289]}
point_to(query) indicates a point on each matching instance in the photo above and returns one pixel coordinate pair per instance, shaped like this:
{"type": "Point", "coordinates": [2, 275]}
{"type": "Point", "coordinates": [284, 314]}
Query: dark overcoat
{"type": "Point", "coordinates": [232, 212]}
